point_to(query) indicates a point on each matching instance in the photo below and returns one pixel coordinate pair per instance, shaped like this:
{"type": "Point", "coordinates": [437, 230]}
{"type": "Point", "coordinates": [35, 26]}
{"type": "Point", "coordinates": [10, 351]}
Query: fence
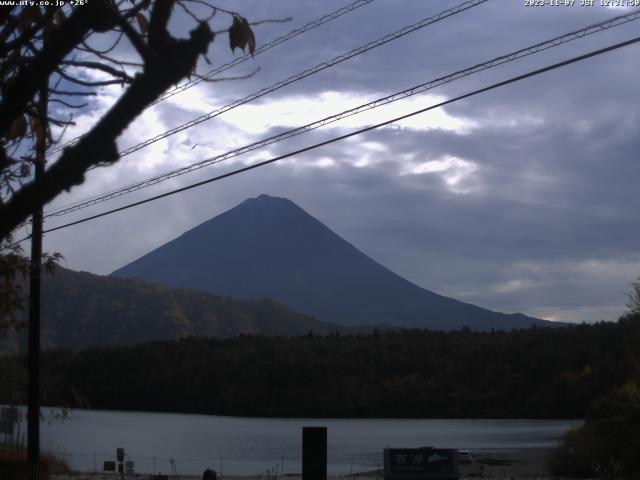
{"type": "Point", "coordinates": [264, 468]}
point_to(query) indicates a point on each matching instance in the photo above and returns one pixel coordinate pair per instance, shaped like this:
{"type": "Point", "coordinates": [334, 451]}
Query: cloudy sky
{"type": "Point", "coordinates": [523, 199]}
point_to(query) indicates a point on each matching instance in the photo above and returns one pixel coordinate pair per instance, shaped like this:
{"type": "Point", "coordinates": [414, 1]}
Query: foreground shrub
{"type": "Point", "coordinates": [607, 445]}
{"type": "Point", "coordinates": [13, 465]}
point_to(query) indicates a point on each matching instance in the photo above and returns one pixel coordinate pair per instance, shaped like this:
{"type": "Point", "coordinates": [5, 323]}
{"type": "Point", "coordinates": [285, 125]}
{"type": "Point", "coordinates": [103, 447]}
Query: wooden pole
{"type": "Point", "coordinates": [33, 394]}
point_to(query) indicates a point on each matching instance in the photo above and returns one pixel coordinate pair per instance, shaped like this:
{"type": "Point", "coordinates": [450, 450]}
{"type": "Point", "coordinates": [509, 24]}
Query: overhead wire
{"type": "Point", "coordinates": [263, 48]}
{"type": "Point", "coordinates": [362, 49]}
{"type": "Point", "coordinates": [306, 73]}
{"type": "Point", "coordinates": [421, 88]}
{"type": "Point", "coordinates": [357, 132]}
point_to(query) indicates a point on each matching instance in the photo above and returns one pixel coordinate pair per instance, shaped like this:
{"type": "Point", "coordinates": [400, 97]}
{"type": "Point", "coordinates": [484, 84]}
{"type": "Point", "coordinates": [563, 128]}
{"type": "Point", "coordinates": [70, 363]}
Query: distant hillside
{"type": "Point", "coordinates": [268, 247]}
{"type": "Point", "coordinates": [80, 310]}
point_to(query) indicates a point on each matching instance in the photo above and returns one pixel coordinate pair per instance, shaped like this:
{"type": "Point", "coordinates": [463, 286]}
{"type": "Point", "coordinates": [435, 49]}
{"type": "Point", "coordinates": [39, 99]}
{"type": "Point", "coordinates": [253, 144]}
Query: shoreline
{"type": "Point", "coordinates": [526, 464]}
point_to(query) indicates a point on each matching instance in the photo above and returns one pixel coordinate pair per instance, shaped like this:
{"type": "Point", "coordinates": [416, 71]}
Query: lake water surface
{"type": "Point", "coordinates": [246, 446]}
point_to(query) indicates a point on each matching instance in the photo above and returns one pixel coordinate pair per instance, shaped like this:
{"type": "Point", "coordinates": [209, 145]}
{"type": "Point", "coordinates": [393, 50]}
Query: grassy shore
{"type": "Point", "coordinates": [13, 464]}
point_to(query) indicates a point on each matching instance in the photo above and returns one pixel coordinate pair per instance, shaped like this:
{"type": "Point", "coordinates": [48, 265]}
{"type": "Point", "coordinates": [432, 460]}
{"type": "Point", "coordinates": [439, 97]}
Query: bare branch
{"type": "Point", "coordinates": [96, 15]}
{"type": "Point", "coordinates": [60, 123]}
{"type": "Point", "coordinates": [5, 13]}
{"type": "Point", "coordinates": [28, 34]}
{"type": "Point", "coordinates": [272, 20]}
{"type": "Point", "coordinates": [103, 52]}
{"type": "Point", "coordinates": [73, 94]}
{"type": "Point", "coordinates": [84, 83]}
{"type": "Point", "coordinates": [135, 38]}
{"type": "Point", "coordinates": [69, 105]}
{"type": "Point", "coordinates": [188, 12]}
{"type": "Point", "coordinates": [107, 58]}
{"type": "Point", "coordinates": [175, 60]}
{"type": "Point", "coordinates": [100, 66]}
{"type": "Point", "coordinates": [132, 12]}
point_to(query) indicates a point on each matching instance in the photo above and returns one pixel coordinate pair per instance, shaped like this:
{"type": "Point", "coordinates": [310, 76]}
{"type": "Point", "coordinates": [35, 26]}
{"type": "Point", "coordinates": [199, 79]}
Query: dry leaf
{"type": "Point", "coordinates": [18, 128]}
{"type": "Point", "coordinates": [59, 16]}
{"type": "Point", "coordinates": [236, 34]}
{"type": "Point", "coordinates": [249, 36]}
{"type": "Point", "coordinates": [143, 23]}
{"type": "Point", "coordinates": [38, 130]}
{"type": "Point", "coordinates": [241, 35]}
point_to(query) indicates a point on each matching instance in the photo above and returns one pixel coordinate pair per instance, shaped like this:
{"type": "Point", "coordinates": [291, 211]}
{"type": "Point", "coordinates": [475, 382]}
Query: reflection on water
{"type": "Point", "coordinates": [243, 446]}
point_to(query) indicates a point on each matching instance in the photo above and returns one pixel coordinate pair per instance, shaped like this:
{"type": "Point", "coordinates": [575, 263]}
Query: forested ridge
{"type": "Point", "coordinates": [81, 310]}
{"type": "Point", "coordinates": [532, 373]}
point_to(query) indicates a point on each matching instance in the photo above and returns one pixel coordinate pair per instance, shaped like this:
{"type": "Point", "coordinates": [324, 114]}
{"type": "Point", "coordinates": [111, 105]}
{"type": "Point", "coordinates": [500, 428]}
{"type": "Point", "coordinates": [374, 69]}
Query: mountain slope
{"type": "Point", "coordinates": [268, 247]}
{"type": "Point", "coordinates": [82, 310]}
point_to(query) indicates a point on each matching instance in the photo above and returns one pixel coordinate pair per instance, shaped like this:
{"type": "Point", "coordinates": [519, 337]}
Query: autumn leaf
{"type": "Point", "coordinates": [241, 35]}
{"type": "Point", "coordinates": [38, 130]}
{"type": "Point", "coordinates": [18, 128]}
{"type": "Point", "coordinates": [59, 16]}
{"type": "Point", "coordinates": [236, 34]}
{"type": "Point", "coordinates": [250, 37]}
{"type": "Point", "coordinates": [25, 170]}
{"type": "Point", "coordinates": [143, 23]}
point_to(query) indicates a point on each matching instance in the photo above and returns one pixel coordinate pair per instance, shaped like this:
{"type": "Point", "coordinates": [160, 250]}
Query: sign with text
{"type": "Point", "coordinates": [420, 463]}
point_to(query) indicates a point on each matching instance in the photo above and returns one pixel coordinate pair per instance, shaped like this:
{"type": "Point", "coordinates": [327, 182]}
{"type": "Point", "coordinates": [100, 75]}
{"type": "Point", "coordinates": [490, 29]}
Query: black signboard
{"type": "Point", "coordinates": [314, 453]}
{"type": "Point", "coordinates": [109, 466]}
{"type": "Point", "coordinates": [420, 463]}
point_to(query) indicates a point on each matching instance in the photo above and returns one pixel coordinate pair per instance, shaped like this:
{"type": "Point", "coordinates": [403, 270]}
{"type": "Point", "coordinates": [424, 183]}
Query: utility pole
{"type": "Point", "coordinates": [33, 395]}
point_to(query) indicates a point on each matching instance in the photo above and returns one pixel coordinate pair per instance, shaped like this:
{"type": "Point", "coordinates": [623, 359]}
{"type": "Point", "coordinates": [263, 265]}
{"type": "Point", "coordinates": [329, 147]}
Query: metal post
{"type": "Point", "coordinates": [33, 394]}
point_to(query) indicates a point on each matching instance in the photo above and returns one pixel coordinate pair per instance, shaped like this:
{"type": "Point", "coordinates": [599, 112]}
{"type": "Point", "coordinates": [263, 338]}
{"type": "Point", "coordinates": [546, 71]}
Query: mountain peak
{"type": "Point", "coordinates": [263, 198]}
{"type": "Point", "coordinates": [269, 247]}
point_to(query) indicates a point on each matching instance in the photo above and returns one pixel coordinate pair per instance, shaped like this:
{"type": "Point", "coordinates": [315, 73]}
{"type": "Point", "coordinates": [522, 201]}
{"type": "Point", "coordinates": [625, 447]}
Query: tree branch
{"type": "Point", "coordinates": [72, 94]}
{"type": "Point", "coordinates": [114, 72]}
{"type": "Point", "coordinates": [96, 15]}
{"type": "Point", "coordinates": [174, 62]}
{"type": "Point", "coordinates": [69, 105]}
{"type": "Point", "coordinates": [85, 83]}
{"type": "Point", "coordinates": [135, 38]}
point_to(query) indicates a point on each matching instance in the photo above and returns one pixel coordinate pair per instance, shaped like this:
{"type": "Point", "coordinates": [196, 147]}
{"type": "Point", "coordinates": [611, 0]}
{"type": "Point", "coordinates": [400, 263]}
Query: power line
{"type": "Point", "coordinates": [306, 73]}
{"type": "Point", "coordinates": [357, 132]}
{"type": "Point", "coordinates": [264, 48]}
{"type": "Point", "coordinates": [212, 73]}
{"type": "Point", "coordinates": [541, 46]}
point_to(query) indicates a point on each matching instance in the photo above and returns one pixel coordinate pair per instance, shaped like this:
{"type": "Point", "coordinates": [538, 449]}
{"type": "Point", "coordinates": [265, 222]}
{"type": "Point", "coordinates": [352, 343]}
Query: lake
{"type": "Point", "coordinates": [247, 446]}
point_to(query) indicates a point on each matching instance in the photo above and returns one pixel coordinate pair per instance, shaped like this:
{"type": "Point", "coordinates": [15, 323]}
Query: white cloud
{"type": "Point", "coordinates": [453, 170]}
